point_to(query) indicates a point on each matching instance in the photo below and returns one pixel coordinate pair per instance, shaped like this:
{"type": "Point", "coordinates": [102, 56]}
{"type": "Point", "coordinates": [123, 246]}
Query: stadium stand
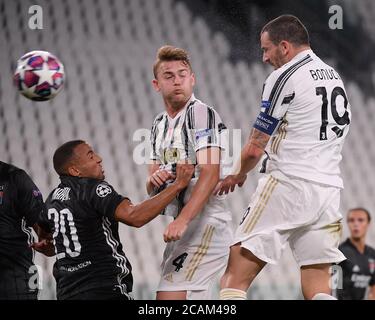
{"type": "Point", "coordinates": [108, 48]}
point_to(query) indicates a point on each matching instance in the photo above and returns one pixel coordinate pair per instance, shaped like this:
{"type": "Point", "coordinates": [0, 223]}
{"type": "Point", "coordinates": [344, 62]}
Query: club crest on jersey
{"type": "Point", "coordinates": [371, 265]}
{"type": "Point", "coordinates": [1, 194]}
{"type": "Point", "coordinates": [103, 190]}
{"type": "Point", "coordinates": [171, 155]}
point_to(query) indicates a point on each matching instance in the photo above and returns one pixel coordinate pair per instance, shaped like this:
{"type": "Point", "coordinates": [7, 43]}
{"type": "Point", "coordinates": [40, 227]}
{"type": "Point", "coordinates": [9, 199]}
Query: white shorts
{"type": "Point", "coordinates": [192, 263]}
{"type": "Point", "coordinates": [291, 210]}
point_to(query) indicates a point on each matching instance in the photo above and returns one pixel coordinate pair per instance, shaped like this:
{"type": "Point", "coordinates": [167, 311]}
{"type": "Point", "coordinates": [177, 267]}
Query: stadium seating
{"type": "Point", "coordinates": [108, 48]}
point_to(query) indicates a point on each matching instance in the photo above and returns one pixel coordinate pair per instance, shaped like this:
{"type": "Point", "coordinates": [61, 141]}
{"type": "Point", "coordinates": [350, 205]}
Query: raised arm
{"type": "Point", "coordinates": [140, 214]}
{"type": "Point", "coordinates": [209, 164]}
{"type": "Point", "coordinates": [250, 156]}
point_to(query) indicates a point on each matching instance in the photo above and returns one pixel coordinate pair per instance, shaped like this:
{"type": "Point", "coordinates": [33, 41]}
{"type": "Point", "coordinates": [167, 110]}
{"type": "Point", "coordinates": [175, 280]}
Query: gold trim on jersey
{"type": "Point", "coordinates": [261, 204]}
{"type": "Point", "coordinates": [275, 145]}
{"type": "Point", "coordinates": [334, 228]}
{"type": "Point", "coordinates": [200, 253]}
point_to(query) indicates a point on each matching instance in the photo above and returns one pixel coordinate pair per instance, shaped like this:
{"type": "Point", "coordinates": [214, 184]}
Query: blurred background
{"type": "Point", "coordinates": [108, 48]}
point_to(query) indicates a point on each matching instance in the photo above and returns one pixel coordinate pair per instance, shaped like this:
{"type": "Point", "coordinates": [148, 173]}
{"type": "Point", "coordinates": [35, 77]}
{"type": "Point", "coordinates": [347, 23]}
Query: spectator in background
{"type": "Point", "coordinates": [359, 268]}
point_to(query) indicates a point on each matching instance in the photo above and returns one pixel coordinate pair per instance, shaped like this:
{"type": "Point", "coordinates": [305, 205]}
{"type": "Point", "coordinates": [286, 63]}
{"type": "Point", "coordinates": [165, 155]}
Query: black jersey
{"type": "Point", "coordinates": [21, 204]}
{"type": "Point", "coordinates": [358, 271]}
{"type": "Point", "coordinates": [85, 233]}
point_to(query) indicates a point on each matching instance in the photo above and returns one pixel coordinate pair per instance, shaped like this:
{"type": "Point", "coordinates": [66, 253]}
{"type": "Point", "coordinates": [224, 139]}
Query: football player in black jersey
{"type": "Point", "coordinates": [83, 213]}
{"type": "Point", "coordinates": [21, 205]}
{"type": "Point", "coordinates": [359, 268]}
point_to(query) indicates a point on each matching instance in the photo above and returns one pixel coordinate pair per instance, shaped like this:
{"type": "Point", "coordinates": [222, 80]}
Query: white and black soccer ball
{"type": "Point", "coordinates": [39, 75]}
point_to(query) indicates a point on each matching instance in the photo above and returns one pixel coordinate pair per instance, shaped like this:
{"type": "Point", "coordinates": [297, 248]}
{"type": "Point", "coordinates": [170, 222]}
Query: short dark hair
{"type": "Point", "coordinates": [361, 209]}
{"type": "Point", "coordinates": [63, 155]}
{"type": "Point", "coordinates": [288, 28]}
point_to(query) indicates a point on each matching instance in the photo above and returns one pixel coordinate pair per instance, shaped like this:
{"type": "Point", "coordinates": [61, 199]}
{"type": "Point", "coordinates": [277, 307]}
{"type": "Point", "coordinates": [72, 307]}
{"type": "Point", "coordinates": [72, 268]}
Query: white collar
{"type": "Point", "coordinates": [302, 54]}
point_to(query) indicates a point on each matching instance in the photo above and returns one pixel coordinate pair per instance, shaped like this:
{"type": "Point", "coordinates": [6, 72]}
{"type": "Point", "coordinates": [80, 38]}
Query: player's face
{"type": "Point", "coordinates": [87, 163]}
{"type": "Point", "coordinates": [358, 224]}
{"type": "Point", "coordinates": [175, 81]}
{"type": "Point", "coordinates": [272, 54]}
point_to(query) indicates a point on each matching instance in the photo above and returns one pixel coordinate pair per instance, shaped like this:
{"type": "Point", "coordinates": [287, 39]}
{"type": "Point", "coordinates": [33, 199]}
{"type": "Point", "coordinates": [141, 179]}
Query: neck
{"type": "Point", "coordinates": [359, 243]}
{"type": "Point", "coordinates": [174, 108]}
{"type": "Point", "coordinates": [302, 48]}
{"type": "Point", "coordinates": [296, 51]}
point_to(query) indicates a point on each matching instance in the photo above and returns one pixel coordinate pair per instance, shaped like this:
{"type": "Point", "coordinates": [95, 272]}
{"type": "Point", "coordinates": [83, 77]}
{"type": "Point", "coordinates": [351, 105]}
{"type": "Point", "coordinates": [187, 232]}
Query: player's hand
{"type": "Point", "coordinates": [229, 183]}
{"type": "Point", "coordinates": [44, 246]}
{"type": "Point", "coordinates": [160, 177]}
{"type": "Point", "coordinates": [175, 230]}
{"type": "Point", "coordinates": [184, 173]}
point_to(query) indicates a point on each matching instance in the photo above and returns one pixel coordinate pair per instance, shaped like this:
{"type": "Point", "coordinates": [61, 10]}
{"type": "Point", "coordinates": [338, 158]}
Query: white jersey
{"type": "Point", "coordinates": [306, 101]}
{"type": "Point", "coordinates": [196, 127]}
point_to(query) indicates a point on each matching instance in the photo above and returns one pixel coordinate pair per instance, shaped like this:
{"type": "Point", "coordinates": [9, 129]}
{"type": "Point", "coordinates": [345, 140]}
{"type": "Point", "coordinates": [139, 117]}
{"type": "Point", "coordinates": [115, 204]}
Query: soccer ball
{"type": "Point", "coordinates": [39, 75]}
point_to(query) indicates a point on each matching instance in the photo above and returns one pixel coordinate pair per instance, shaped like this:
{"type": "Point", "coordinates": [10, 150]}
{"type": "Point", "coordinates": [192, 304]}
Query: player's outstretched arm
{"type": "Point", "coordinates": [250, 156]}
{"type": "Point", "coordinates": [140, 214]}
{"type": "Point", "coordinates": [209, 164]}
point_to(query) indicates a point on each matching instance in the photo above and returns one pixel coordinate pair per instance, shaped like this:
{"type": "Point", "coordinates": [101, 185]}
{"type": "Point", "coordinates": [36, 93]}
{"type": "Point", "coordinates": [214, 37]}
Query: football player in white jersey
{"type": "Point", "coordinates": [198, 239]}
{"type": "Point", "coordinates": [301, 128]}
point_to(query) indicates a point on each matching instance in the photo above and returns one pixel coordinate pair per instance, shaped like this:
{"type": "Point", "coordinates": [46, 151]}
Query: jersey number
{"type": "Point", "coordinates": [342, 121]}
{"type": "Point", "coordinates": [70, 240]}
{"type": "Point", "coordinates": [179, 261]}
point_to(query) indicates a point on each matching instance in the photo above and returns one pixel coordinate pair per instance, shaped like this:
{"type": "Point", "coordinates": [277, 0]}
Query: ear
{"type": "Point", "coordinates": [285, 47]}
{"type": "Point", "coordinates": [155, 84]}
{"type": "Point", "coordinates": [193, 78]}
{"type": "Point", "coordinates": [73, 171]}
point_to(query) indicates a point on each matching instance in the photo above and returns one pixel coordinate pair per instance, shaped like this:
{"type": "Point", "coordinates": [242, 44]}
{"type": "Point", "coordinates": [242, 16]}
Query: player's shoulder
{"type": "Point", "coordinates": [371, 251]}
{"type": "Point", "coordinates": [290, 68]}
{"type": "Point", "coordinates": [19, 176]}
{"type": "Point", "coordinates": [346, 246]}
{"type": "Point", "coordinates": [97, 187]}
{"type": "Point", "coordinates": [198, 106]}
{"type": "Point", "coordinates": [159, 117]}
{"type": "Point", "coordinates": [8, 169]}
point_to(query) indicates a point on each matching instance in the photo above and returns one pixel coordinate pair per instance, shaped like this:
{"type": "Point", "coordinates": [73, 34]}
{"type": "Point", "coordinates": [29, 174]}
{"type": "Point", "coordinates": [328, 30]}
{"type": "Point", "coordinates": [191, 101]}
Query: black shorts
{"type": "Point", "coordinates": [99, 294]}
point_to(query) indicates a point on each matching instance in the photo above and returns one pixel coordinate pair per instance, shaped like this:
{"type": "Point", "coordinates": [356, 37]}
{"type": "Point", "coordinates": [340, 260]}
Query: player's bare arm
{"type": "Point", "coordinates": [140, 214]}
{"type": "Point", "coordinates": [209, 164]}
{"type": "Point", "coordinates": [250, 156]}
{"type": "Point", "coordinates": [45, 242]}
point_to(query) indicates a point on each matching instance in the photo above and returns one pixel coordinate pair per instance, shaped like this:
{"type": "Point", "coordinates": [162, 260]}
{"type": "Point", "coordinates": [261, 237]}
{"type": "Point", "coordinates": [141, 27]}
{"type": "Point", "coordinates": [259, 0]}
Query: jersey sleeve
{"type": "Point", "coordinates": [153, 137]}
{"type": "Point", "coordinates": [29, 198]}
{"type": "Point", "coordinates": [278, 93]}
{"type": "Point", "coordinates": [103, 198]}
{"type": "Point", "coordinates": [205, 127]}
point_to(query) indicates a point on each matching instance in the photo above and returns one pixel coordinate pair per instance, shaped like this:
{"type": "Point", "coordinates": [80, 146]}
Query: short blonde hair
{"type": "Point", "coordinates": [171, 53]}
